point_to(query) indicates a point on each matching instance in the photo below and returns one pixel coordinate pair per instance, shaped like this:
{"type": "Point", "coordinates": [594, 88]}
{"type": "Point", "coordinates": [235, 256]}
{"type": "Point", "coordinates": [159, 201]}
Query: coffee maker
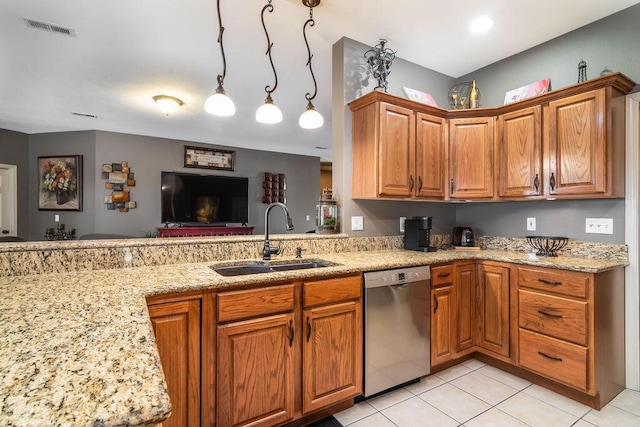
{"type": "Point", "coordinates": [417, 234]}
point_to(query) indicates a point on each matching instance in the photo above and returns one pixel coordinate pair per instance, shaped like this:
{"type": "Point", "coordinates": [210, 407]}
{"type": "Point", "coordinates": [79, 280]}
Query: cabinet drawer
{"type": "Point", "coordinates": [442, 275]}
{"type": "Point", "coordinates": [557, 281]}
{"type": "Point", "coordinates": [559, 317]}
{"type": "Point", "coordinates": [248, 303]}
{"type": "Point", "coordinates": [558, 360]}
{"type": "Point", "coordinates": [331, 290]}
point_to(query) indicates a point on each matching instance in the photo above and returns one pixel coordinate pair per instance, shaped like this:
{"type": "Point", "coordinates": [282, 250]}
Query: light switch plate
{"type": "Point", "coordinates": [531, 224]}
{"type": "Point", "coordinates": [357, 223]}
{"type": "Point", "coordinates": [599, 225]}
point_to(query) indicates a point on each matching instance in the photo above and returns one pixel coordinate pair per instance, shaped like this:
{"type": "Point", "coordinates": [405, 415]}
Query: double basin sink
{"type": "Point", "coordinates": [258, 267]}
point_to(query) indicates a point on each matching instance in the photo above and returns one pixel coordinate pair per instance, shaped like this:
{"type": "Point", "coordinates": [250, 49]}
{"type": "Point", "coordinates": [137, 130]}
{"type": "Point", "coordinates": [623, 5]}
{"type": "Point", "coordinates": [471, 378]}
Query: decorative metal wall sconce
{"type": "Point", "coordinates": [379, 59]}
{"type": "Point", "coordinates": [310, 118]}
{"type": "Point", "coordinates": [219, 103]}
{"type": "Point", "coordinates": [269, 112]}
{"type": "Point", "coordinates": [582, 71]}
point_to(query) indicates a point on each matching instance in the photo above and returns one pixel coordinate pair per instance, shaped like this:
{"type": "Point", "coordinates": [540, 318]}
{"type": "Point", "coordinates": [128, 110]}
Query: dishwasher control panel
{"type": "Point", "coordinates": [398, 276]}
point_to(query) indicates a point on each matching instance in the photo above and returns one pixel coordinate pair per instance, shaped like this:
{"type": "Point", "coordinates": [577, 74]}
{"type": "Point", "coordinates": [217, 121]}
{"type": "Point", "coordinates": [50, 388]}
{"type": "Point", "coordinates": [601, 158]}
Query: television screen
{"type": "Point", "coordinates": [192, 199]}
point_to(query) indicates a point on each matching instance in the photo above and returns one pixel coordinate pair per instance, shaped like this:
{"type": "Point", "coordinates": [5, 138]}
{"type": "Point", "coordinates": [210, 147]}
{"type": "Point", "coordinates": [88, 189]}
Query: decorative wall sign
{"type": "Point", "coordinates": [60, 183]}
{"type": "Point", "coordinates": [208, 158]}
{"type": "Point", "coordinates": [119, 180]}
{"type": "Point", "coordinates": [275, 188]}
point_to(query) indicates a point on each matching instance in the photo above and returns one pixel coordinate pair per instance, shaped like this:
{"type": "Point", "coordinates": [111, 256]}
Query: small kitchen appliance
{"type": "Point", "coordinates": [463, 236]}
{"type": "Point", "coordinates": [417, 234]}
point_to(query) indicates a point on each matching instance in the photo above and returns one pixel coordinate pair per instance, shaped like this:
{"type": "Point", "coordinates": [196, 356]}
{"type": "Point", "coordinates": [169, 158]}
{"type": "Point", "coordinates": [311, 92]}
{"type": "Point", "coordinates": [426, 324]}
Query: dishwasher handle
{"type": "Point", "coordinates": [399, 286]}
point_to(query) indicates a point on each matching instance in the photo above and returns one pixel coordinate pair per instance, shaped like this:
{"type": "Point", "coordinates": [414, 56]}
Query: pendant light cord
{"type": "Point", "coordinates": [268, 88]}
{"type": "Point", "coordinates": [224, 58]}
{"type": "Point", "coordinates": [310, 22]}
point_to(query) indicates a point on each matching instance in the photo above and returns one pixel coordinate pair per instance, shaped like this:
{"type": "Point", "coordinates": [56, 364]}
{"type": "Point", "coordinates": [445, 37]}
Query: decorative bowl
{"type": "Point", "coordinates": [547, 245]}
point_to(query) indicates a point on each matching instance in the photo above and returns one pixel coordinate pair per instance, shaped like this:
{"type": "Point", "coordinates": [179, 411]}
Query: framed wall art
{"type": "Point", "coordinates": [208, 158]}
{"type": "Point", "coordinates": [60, 183]}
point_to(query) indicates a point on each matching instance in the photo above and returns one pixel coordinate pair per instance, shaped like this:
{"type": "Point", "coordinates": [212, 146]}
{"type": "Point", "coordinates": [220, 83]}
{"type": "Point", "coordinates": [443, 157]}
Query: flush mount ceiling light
{"type": "Point", "coordinates": [167, 104]}
{"type": "Point", "coordinates": [269, 112]}
{"type": "Point", "coordinates": [481, 24]}
{"type": "Point", "coordinates": [310, 118]}
{"type": "Point", "coordinates": [219, 103]}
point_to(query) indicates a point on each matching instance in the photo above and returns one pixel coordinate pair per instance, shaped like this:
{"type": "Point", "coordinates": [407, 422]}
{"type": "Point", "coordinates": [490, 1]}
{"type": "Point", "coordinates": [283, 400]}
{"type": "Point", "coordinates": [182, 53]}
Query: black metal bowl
{"type": "Point", "coordinates": [547, 245]}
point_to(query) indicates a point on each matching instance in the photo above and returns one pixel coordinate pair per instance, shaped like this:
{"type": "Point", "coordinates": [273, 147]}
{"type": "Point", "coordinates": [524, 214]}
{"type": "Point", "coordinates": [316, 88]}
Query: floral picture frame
{"type": "Point", "coordinates": [60, 183]}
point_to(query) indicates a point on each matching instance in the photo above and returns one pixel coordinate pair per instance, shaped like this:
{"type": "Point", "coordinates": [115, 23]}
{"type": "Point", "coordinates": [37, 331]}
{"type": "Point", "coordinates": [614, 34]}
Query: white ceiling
{"type": "Point", "coordinates": [127, 51]}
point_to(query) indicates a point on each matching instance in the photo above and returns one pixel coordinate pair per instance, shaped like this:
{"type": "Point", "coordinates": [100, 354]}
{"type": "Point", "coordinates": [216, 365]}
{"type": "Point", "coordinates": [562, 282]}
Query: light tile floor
{"type": "Point", "coordinates": [474, 394]}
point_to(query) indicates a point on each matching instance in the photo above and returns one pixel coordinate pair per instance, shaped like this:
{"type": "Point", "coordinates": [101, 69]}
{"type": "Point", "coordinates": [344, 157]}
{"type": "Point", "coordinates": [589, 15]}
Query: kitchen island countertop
{"type": "Point", "coordinates": [78, 348]}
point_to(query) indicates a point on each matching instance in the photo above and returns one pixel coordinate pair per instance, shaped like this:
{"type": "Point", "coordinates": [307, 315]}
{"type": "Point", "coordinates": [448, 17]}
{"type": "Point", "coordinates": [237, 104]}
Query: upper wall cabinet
{"type": "Point", "coordinates": [398, 149]}
{"type": "Point", "coordinates": [568, 143]}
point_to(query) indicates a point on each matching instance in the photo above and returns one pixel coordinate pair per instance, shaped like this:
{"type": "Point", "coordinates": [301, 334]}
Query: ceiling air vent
{"type": "Point", "coordinates": [47, 26]}
{"type": "Point", "coordinates": [92, 116]}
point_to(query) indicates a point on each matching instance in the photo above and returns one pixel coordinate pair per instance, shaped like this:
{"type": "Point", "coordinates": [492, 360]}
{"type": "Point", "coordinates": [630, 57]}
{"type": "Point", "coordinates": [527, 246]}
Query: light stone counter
{"type": "Point", "coordinates": [77, 349]}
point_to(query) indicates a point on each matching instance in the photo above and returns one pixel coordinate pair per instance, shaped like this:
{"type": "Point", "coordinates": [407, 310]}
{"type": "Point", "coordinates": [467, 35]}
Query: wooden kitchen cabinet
{"type": "Point", "coordinates": [571, 329]}
{"type": "Point", "coordinates": [176, 326]}
{"type": "Point", "coordinates": [520, 153]}
{"type": "Point", "coordinates": [287, 350]}
{"type": "Point", "coordinates": [443, 310]}
{"type": "Point", "coordinates": [465, 291]}
{"type": "Point", "coordinates": [398, 148]}
{"type": "Point", "coordinates": [492, 307]}
{"type": "Point", "coordinates": [332, 345]}
{"type": "Point", "coordinates": [256, 355]}
{"type": "Point", "coordinates": [471, 158]}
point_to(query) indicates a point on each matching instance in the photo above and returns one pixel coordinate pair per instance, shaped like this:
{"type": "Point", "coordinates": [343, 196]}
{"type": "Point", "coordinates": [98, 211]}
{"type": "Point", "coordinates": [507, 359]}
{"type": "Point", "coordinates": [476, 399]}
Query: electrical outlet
{"type": "Point", "coordinates": [357, 223]}
{"type": "Point", "coordinates": [402, 218]}
{"type": "Point", "coordinates": [599, 225]}
{"type": "Point", "coordinates": [307, 218]}
{"type": "Point", "coordinates": [531, 224]}
{"type": "Point", "coordinates": [56, 218]}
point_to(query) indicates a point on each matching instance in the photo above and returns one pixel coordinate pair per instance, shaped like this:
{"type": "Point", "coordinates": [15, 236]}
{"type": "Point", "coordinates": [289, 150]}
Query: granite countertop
{"type": "Point", "coordinates": [78, 348]}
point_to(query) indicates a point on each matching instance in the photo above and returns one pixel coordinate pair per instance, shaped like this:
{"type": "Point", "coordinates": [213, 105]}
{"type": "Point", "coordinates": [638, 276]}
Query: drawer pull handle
{"type": "Point", "coordinates": [308, 329]}
{"type": "Point", "coordinates": [557, 316]}
{"type": "Point", "coordinates": [444, 274]}
{"type": "Point", "coordinates": [550, 357]}
{"type": "Point", "coordinates": [435, 303]}
{"type": "Point", "coordinates": [550, 282]}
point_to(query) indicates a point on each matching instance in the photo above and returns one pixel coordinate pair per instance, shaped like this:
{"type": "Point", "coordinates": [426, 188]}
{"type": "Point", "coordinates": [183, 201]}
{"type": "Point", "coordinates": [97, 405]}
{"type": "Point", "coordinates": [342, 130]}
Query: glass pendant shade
{"type": "Point", "coordinates": [310, 119]}
{"type": "Point", "coordinates": [268, 112]}
{"type": "Point", "coordinates": [220, 104]}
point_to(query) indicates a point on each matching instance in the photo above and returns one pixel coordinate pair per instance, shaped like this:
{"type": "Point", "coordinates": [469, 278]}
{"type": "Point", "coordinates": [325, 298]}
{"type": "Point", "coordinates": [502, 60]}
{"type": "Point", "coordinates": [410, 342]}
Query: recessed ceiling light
{"type": "Point", "coordinates": [481, 24]}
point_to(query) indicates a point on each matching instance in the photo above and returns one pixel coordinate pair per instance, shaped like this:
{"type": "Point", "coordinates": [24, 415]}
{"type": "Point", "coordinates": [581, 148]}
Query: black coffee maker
{"type": "Point", "coordinates": [417, 234]}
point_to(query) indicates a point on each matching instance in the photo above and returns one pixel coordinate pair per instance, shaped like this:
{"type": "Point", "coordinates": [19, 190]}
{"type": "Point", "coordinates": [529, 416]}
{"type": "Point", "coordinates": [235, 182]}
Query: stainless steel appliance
{"type": "Point", "coordinates": [462, 236]}
{"type": "Point", "coordinates": [397, 327]}
{"type": "Point", "coordinates": [417, 234]}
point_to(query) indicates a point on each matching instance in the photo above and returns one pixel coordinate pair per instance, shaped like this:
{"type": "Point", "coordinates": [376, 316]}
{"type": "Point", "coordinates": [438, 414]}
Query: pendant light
{"type": "Point", "coordinates": [219, 103]}
{"type": "Point", "coordinates": [269, 112]}
{"type": "Point", "coordinates": [310, 118]}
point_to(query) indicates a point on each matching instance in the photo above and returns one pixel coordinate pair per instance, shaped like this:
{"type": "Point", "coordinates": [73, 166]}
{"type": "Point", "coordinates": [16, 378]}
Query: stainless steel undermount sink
{"type": "Point", "coordinates": [258, 267]}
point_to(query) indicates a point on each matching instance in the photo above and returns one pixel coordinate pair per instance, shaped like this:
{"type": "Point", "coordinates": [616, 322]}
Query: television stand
{"type": "Point", "coordinates": [203, 231]}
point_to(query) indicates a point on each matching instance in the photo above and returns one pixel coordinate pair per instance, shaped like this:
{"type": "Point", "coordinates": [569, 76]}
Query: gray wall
{"type": "Point", "coordinates": [351, 81]}
{"type": "Point", "coordinates": [62, 144]}
{"type": "Point", "coordinates": [148, 156]}
{"type": "Point", "coordinates": [14, 150]}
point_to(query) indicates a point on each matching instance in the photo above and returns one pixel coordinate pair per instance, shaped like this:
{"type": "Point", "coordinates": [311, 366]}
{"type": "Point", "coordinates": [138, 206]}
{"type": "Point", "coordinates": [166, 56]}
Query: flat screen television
{"type": "Point", "coordinates": [201, 200]}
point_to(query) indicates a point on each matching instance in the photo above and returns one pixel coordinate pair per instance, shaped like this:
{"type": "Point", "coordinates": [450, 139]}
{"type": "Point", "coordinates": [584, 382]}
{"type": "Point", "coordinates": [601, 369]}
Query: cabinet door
{"type": "Point", "coordinates": [493, 308]}
{"type": "Point", "coordinates": [577, 144]}
{"type": "Point", "coordinates": [430, 156]}
{"type": "Point", "coordinates": [256, 371]}
{"type": "Point", "coordinates": [396, 151]}
{"type": "Point", "coordinates": [177, 329]}
{"type": "Point", "coordinates": [442, 324]}
{"type": "Point", "coordinates": [465, 285]}
{"type": "Point", "coordinates": [332, 354]}
{"type": "Point", "coordinates": [520, 153]}
{"type": "Point", "coordinates": [471, 149]}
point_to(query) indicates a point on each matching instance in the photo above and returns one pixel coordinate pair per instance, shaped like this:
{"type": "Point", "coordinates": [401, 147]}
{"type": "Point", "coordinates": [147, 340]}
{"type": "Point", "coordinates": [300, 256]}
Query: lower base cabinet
{"type": "Point", "coordinates": [286, 351]}
{"type": "Point", "coordinates": [177, 329]}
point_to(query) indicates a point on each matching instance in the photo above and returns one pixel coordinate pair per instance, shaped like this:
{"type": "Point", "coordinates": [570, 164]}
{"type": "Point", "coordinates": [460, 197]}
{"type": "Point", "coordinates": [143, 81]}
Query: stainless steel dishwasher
{"type": "Point", "coordinates": [397, 327]}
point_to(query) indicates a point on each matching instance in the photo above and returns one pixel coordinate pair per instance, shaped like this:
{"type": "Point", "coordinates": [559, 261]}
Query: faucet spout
{"type": "Point", "coordinates": [267, 249]}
